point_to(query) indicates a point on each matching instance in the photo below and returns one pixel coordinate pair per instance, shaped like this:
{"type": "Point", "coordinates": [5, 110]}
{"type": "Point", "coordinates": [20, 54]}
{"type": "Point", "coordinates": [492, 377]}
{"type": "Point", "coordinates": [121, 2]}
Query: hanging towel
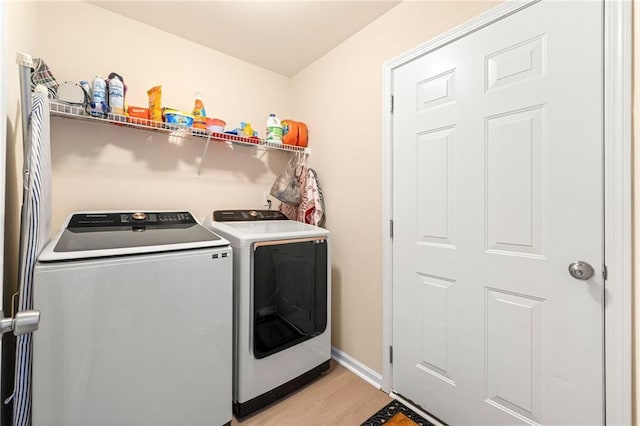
{"type": "Point", "coordinates": [37, 227]}
{"type": "Point", "coordinates": [311, 208]}
{"type": "Point", "coordinates": [317, 210]}
{"type": "Point", "coordinates": [42, 75]}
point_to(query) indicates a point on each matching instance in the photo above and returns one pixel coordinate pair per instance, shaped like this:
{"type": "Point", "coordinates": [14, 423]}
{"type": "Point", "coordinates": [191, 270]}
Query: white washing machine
{"type": "Point", "coordinates": [136, 323]}
{"type": "Point", "coordinates": [282, 304]}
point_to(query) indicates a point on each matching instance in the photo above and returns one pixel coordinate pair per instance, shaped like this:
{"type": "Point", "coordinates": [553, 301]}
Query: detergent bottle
{"type": "Point", "coordinates": [87, 90]}
{"type": "Point", "coordinates": [199, 114]}
{"type": "Point", "coordinates": [274, 129]}
{"type": "Point", "coordinates": [116, 96]}
{"type": "Point", "coordinates": [98, 105]}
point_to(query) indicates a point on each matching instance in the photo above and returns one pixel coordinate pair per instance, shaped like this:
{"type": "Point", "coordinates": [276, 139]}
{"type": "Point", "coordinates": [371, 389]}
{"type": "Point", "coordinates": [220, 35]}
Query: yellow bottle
{"type": "Point", "coordinates": [199, 114]}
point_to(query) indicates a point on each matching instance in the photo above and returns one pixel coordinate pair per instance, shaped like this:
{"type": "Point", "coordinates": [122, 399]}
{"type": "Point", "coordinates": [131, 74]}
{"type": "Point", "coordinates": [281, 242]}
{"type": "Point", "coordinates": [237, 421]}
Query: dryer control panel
{"type": "Point", "coordinates": [247, 215]}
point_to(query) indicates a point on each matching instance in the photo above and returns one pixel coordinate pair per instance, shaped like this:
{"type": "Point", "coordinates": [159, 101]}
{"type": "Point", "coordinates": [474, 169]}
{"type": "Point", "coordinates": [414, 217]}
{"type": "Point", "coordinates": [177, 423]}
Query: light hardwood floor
{"type": "Point", "coordinates": [337, 398]}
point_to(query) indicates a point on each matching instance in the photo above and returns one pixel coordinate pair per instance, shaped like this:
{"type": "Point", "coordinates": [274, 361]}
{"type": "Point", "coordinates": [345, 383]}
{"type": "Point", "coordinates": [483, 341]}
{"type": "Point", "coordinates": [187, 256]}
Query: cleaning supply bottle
{"type": "Point", "coordinates": [274, 129]}
{"type": "Point", "coordinates": [98, 105]}
{"type": "Point", "coordinates": [116, 96]}
{"type": "Point", "coordinates": [87, 90]}
{"type": "Point", "coordinates": [199, 114]}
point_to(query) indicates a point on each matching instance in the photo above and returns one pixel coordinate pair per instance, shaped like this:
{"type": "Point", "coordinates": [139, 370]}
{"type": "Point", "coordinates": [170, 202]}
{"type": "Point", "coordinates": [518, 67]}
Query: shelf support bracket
{"type": "Point", "coordinates": [204, 155]}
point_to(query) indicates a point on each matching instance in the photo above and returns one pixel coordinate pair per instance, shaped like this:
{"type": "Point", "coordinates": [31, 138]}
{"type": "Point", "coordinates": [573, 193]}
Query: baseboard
{"type": "Point", "coordinates": [375, 380]}
{"type": "Point", "coordinates": [357, 368]}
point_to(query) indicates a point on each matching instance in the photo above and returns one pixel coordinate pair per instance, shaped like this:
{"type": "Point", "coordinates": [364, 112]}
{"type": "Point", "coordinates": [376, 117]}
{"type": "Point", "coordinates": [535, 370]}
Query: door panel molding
{"type": "Point", "coordinates": [617, 193]}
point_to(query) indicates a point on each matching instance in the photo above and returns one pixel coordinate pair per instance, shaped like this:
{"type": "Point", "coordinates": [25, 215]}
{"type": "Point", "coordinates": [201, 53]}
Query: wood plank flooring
{"type": "Point", "coordinates": [339, 397]}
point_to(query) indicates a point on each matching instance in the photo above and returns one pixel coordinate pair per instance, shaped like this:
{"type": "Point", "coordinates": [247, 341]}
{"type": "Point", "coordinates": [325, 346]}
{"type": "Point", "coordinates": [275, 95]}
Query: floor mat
{"type": "Point", "coordinates": [396, 414]}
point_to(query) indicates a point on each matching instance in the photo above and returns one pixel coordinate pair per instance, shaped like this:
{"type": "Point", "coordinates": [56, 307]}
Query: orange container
{"type": "Point", "coordinates": [289, 132]}
{"type": "Point", "coordinates": [134, 114]}
{"type": "Point", "coordinates": [303, 134]}
{"type": "Point", "coordinates": [215, 125]}
{"type": "Point", "coordinates": [295, 133]}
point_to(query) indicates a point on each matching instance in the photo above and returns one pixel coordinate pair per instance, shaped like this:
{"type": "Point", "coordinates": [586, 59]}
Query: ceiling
{"type": "Point", "coordinates": [282, 36]}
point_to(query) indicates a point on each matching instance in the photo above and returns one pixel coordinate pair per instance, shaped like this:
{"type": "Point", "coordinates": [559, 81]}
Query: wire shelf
{"type": "Point", "coordinates": [78, 112]}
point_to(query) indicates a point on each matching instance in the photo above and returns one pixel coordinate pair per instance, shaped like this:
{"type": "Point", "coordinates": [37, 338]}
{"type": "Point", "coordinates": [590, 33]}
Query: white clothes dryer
{"type": "Point", "coordinates": [136, 323]}
{"type": "Point", "coordinates": [282, 304]}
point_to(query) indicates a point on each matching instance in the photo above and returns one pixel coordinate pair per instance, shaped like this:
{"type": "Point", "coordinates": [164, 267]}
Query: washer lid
{"type": "Point", "coordinates": [97, 234]}
{"type": "Point", "coordinates": [245, 233]}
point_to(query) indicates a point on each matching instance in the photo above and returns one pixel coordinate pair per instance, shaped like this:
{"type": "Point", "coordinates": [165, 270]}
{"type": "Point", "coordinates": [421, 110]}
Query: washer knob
{"type": "Point", "coordinates": [139, 216]}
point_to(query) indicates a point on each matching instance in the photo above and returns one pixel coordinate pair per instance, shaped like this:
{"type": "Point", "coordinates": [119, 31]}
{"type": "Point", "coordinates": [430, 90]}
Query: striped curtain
{"type": "Point", "coordinates": [35, 232]}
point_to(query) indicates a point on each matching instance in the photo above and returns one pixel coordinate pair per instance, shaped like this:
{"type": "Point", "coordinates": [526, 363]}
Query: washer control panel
{"type": "Point", "coordinates": [97, 234]}
{"type": "Point", "coordinates": [118, 220]}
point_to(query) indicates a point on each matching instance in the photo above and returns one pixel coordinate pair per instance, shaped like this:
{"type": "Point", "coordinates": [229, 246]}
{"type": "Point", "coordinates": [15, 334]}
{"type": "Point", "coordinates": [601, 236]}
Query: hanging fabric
{"type": "Point", "coordinates": [311, 209]}
{"type": "Point", "coordinates": [42, 75]}
{"type": "Point", "coordinates": [35, 231]}
{"type": "Point", "coordinates": [286, 187]}
{"type": "Point", "coordinates": [316, 215]}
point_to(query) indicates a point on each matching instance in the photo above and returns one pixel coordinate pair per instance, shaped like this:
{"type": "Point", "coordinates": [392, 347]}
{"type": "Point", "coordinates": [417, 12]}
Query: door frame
{"type": "Point", "coordinates": [4, 105]}
{"type": "Point", "coordinates": [617, 188]}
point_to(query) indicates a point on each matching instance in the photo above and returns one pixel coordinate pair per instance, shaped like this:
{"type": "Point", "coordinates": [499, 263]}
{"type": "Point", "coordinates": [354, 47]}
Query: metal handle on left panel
{"type": "Point", "coordinates": [23, 323]}
{"type": "Point", "coordinates": [581, 270]}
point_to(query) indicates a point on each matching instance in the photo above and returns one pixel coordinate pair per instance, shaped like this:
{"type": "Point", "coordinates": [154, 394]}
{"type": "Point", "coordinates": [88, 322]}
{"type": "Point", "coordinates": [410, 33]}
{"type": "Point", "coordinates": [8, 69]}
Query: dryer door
{"type": "Point", "coordinates": [289, 293]}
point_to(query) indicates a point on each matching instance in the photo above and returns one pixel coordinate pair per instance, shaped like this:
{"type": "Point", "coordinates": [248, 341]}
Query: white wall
{"type": "Point", "coordinates": [340, 97]}
{"type": "Point", "coordinates": [103, 167]}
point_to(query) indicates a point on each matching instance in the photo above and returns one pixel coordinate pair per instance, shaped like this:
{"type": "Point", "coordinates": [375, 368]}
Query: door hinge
{"type": "Point", "coordinates": [605, 273]}
{"type": "Point", "coordinates": [390, 354]}
{"type": "Point", "coordinates": [391, 228]}
{"type": "Point", "coordinates": [391, 104]}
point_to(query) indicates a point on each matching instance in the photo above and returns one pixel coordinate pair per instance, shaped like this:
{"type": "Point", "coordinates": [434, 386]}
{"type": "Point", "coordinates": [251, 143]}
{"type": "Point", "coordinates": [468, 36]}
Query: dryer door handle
{"type": "Point", "coordinates": [23, 323]}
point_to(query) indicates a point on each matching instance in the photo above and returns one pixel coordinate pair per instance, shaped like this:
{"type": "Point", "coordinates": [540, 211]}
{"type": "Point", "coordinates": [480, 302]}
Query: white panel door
{"type": "Point", "coordinates": [497, 188]}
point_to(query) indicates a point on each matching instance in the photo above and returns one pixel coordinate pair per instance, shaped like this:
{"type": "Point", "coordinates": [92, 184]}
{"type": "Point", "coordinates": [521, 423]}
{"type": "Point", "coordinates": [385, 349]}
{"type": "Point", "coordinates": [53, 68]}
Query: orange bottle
{"type": "Point", "coordinates": [199, 115]}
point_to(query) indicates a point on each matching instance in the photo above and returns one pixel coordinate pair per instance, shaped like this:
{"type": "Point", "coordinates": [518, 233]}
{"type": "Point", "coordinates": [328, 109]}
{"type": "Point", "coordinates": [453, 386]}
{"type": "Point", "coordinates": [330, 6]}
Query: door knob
{"type": "Point", "coordinates": [581, 270]}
